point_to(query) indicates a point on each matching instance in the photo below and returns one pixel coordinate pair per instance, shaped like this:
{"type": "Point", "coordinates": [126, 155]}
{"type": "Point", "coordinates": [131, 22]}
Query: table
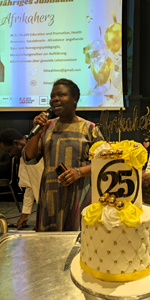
{"type": "Point", "coordinates": [32, 266]}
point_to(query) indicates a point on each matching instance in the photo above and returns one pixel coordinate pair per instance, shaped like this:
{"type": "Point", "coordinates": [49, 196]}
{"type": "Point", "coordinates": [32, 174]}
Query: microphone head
{"type": "Point", "coordinates": [50, 112]}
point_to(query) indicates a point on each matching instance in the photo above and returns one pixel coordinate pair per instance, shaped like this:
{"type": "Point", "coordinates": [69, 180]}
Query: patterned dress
{"type": "Point", "coordinates": [59, 207]}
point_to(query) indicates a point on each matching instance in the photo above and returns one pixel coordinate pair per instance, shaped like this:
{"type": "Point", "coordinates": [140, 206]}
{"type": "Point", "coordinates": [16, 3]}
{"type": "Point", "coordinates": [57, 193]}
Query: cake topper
{"type": "Point", "coordinates": [121, 124]}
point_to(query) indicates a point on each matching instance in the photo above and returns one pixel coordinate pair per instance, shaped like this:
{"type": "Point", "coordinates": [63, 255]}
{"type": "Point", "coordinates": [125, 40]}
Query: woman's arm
{"type": "Point", "coordinates": [31, 148]}
{"type": "Point", "coordinates": [85, 171]}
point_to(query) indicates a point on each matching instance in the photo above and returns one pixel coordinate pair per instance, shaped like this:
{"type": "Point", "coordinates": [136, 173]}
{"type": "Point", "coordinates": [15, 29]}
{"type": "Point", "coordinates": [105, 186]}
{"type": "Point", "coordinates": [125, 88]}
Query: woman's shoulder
{"type": "Point", "coordinates": [90, 125]}
{"type": "Point", "coordinates": [85, 121]}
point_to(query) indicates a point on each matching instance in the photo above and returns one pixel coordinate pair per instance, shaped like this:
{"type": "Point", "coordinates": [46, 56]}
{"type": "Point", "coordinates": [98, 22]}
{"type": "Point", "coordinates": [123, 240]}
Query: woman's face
{"type": "Point", "coordinates": [63, 101]}
{"type": "Point", "coordinates": [13, 150]}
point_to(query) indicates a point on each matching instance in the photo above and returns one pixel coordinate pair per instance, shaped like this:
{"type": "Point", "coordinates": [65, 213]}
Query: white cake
{"type": "Point", "coordinates": [115, 238]}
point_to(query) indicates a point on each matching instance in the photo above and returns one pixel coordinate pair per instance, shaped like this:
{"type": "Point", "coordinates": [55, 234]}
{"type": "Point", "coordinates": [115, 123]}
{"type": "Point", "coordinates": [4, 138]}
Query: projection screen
{"type": "Point", "coordinates": [45, 40]}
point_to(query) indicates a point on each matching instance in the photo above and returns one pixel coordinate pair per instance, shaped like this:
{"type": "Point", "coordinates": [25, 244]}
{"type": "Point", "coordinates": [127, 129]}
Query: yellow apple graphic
{"type": "Point", "coordinates": [113, 36]}
{"type": "Point", "coordinates": [102, 75]}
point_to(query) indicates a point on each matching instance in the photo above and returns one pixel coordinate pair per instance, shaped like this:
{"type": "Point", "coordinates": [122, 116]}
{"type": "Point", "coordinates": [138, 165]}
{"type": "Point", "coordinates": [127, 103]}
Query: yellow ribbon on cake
{"type": "Point", "coordinates": [115, 277]}
{"type": "Point", "coordinates": [129, 215]}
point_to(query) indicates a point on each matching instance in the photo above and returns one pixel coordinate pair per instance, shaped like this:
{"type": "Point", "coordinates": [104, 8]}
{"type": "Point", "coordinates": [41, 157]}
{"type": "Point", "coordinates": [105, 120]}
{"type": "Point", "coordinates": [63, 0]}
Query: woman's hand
{"type": "Point", "coordinates": [68, 177]}
{"type": "Point", "coordinates": [41, 119]}
{"type": "Point", "coordinates": [31, 148]}
{"type": "Point", "coordinates": [23, 219]}
{"type": "Point", "coordinates": [71, 175]}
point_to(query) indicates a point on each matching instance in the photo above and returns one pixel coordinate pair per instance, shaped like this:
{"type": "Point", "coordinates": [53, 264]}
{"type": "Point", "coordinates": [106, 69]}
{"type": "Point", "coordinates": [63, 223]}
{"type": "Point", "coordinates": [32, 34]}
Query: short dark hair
{"type": "Point", "coordinates": [7, 136]}
{"type": "Point", "coordinates": [74, 89]}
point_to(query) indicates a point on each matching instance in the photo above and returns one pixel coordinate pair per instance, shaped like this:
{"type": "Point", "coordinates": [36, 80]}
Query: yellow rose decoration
{"type": "Point", "coordinates": [134, 154]}
{"type": "Point", "coordinates": [93, 214]}
{"type": "Point", "coordinates": [93, 148]}
{"type": "Point", "coordinates": [96, 145]}
{"type": "Point", "coordinates": [130, 214]}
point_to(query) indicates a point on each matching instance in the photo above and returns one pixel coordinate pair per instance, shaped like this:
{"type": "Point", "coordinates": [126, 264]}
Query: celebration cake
{"type": "Point", "coordinates": [115, 236]}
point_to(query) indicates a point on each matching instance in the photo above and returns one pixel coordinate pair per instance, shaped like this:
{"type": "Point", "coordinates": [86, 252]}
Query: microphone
{"type": "Point", "coordinates": [50, 112]}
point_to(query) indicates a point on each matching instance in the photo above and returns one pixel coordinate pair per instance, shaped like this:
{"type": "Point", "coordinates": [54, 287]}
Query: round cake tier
{"type": "Point", "coordinates": [98, 289]}
{"type": "Point", "coordinates": [121, 254]}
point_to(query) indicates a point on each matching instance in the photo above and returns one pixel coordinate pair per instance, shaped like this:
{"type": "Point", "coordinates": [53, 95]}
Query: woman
{"type": "Point", "coordinates": [67, 140]}
{"type": "Point", "coordinates": [146, 183]}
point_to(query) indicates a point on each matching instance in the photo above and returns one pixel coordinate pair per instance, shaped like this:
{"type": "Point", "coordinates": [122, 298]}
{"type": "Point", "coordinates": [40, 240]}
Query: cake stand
{"type": "Point", "coordinates": [97, 289]}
